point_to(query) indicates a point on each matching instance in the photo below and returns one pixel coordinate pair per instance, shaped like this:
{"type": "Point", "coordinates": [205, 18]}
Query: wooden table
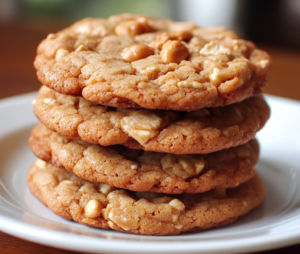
{"type": "Point", "coordinates": [17, 76]}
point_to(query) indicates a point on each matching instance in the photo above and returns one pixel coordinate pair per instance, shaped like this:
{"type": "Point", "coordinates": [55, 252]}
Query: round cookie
{"type": "Point", "coordinates": [133, 61]}
{"type": "Point", "coordinates": [201, 131]}
{"type": "Point", "coordinates": [100, 205]}
{"type": "Point", "coordinates": [147, 171]}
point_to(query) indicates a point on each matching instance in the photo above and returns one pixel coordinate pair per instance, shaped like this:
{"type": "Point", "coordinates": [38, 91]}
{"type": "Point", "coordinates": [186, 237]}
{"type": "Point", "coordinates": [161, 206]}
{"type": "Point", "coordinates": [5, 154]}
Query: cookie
{"type": "Point", "coordinates": [100, 205]}
{"type": "Point", "coordinates": [147, 171]}
{"type": "Point", "coordinates": [133, 61]}
{"type": "Point", "coordinates": [201, 131]}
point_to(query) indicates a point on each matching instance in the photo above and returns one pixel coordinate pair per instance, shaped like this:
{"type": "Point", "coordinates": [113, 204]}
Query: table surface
{"type": "Point", "coordinates": [17, 76]}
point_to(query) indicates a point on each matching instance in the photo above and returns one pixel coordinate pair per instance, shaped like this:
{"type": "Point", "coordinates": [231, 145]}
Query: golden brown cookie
{"type": "Point", "coordinates": [133, 61]}
{"type": "Point", "coordinates": [202, 131]}
{"type": "Point", "coordinates": [100, 205]}
{"type": "Point", "coordinates": [147, 171]}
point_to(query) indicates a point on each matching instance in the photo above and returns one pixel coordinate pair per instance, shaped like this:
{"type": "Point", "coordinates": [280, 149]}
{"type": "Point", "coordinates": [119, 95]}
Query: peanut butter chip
{"type": "Point", "coordinates": [160, 40]}
{"type": "Point", "coordinates": [146, 27]}
{"type": "Point", "coordinates": [164, 37]}
{"type": "Point", "coordinates": [181, 35]}
{"type": "Point", "coordinates": [136, 52]}
{"type": "Point", "coordinates": [130, 28]}
{"type": "Point", "coordinates": [133, 28]}
{"type": "Point", "coordinates": [174, 52]}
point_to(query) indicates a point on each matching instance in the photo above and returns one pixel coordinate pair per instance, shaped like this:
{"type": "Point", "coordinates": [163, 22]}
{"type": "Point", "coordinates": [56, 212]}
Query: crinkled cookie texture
{"type": "Point", "coordinates": [100, 205]}
{"type": "Point", "coordinates": [202, 131]}
{"type": "Point", "coordinates": [147, 171]}
{"type": "Point", "coordinates": [133, 61]}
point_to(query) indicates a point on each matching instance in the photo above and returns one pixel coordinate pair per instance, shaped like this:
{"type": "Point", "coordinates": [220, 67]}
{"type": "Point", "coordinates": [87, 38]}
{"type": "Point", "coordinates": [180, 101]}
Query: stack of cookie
{"type": "Point", "coordinates": [148, 126]}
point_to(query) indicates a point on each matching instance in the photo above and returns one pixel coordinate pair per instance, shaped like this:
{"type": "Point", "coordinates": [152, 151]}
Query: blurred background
{"type": "Point", "coordinates": [273, 25]}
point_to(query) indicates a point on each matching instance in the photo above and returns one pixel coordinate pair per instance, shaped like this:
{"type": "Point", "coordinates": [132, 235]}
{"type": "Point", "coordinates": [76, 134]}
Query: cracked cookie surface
{"type": "Point", "coordinates": [133, 61]}
{"type": "Point", "coordinates": [202, 131]}
{"type": "Point", "coordinates": [147, 171]}
{"type": "Point", "coordinates": [100, 205]}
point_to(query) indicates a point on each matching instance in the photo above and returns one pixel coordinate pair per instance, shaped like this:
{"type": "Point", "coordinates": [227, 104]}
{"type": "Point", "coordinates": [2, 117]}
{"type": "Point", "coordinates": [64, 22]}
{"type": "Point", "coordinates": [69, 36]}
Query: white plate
{"type": "Point", "coordinates": [275, 224]}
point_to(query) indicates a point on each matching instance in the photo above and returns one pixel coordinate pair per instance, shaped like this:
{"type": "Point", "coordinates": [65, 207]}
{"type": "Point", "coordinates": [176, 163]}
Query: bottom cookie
{"type": "Point", "coordinates": [99, 205]}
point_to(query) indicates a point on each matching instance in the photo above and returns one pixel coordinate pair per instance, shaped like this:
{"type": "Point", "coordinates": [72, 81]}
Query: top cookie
{"type": "Point", "coordinates": [133, 61]}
